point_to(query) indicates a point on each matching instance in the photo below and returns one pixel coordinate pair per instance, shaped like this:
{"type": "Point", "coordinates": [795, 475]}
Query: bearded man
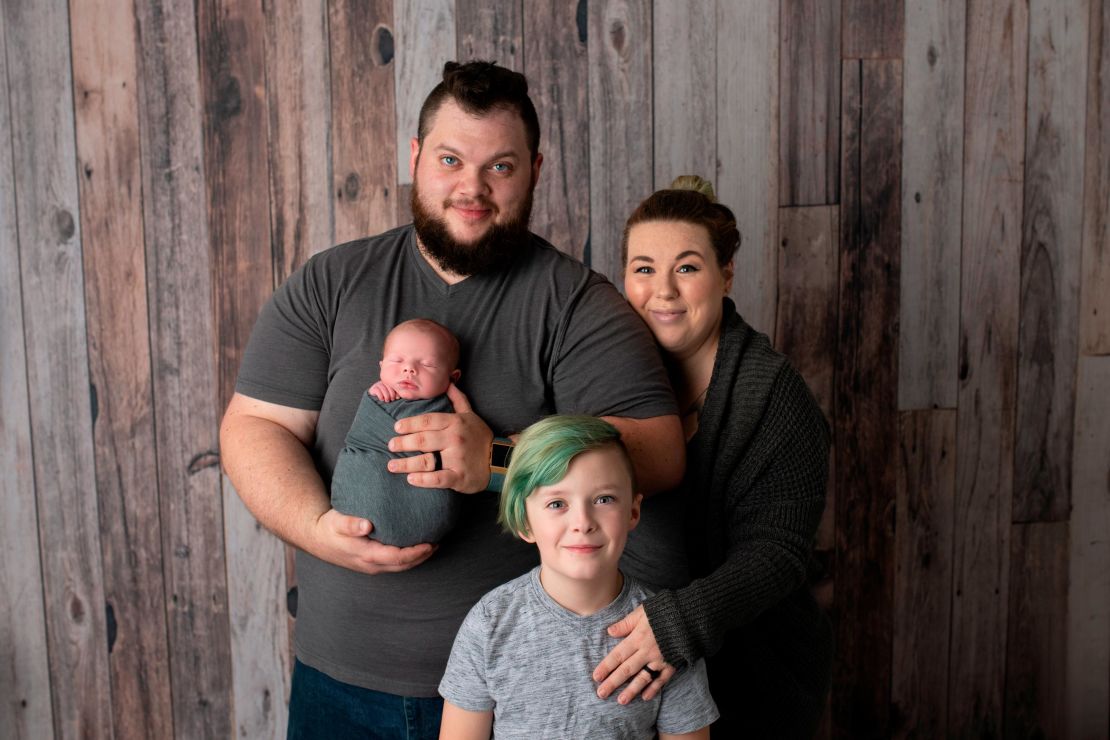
{"type": "Point", "coordinates": [540, 334]}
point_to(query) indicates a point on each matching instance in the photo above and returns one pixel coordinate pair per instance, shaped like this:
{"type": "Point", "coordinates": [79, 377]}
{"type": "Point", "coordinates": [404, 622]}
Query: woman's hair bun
{"type": "Point", "coordinates": [696, 183]}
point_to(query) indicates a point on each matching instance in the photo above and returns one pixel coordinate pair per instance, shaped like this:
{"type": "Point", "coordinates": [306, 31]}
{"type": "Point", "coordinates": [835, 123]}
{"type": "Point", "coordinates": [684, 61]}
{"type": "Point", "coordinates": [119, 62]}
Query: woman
{"type": "Point", "coordinates": [743, 524]}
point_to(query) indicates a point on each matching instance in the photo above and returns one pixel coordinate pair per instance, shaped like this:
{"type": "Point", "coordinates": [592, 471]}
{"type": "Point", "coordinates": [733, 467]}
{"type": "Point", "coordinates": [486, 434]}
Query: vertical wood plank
{"type": "Point", "coordinates": [1050, 253]}
{"type": "Point", "coordinates": [620, 125]}
{"type": "Point", "coordinates": [747, 142]}
{"type": "Point", "coordinates": [424, 40]}
{"type": "Point", "coordinates": [867, 423]}
{"type": "Point", "coordinates": [1094, 317]}
{"type": "Point", "coordinates": [555, 63]}
{"type": "Point", "coordinates": [809, 103]}
{"type": "Point", "coordinates": [873, 29]}
{"type": "Point", "coordinates": [1088, 600]}
{"type": "Point", "coordinates": [685, 48]}
{"type": "Point", "coordinates": [363, 120]}
{"type": "Point", "coordinates": [923, 572]}
{"type": "Point", "coordinates": [107, 123]}
{"type": "Point", "coordinates": [1037, 644]}
{"type": "Point", "coordinates": [25, 677]}
{"type": "Point", "coordinates": [60, 395]}
{"type": "Point", "coordinates": [994, 114]}
{"type": "Point", "coordinates": [491, 30]}
{"type": "Point", "coordinates": [932, 194]}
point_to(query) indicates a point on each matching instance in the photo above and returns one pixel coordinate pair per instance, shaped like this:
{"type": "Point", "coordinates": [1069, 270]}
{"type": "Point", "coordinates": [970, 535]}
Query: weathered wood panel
{"type": "Point", "coordinates": [1094, 317]}
{"type": "Point", "coordinates": [107, 122]}
{"type": "Point", "coordinates": [555, 63]}
{"type": "Point", "coordinates": [747, 142]}
{"type": "Point", "coordinates": [994, 115]}
{"type": "Point", "coordinates": [1037, 644]}
{"type": "Point", "coordinates": [684, 39]}
{"type": "Point", "coordinates": [1050, 253]}
{"type": "Point", "coordinates": [809, 103]}
{"type": "Point", "coordinates": [932, 194]}
{"type": "Point", "coordinates": [620, 125]}
{"type": "Point", "coordinates": [25, 679]}
{"type": "Point", "coordinates": [1088, 600]}
{"type": "Point", "coordinates": [873, 29]}
{"type": "Point", "coordinates": [423, 41]}
{"type": "Point", "coordinates": [60, 395]}
{"type": "Point", "coordinates": [866, 418]}
{"type": "Point", "coordinates": [492, 30]}
{"type": "Point", "coordinates": [923, 572]}
{"type": "Point", "coordinates": [363, 122]}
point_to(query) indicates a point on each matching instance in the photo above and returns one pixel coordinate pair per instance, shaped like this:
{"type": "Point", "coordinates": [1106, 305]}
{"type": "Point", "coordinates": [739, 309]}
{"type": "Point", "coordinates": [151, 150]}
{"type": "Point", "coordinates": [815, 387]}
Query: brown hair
{"type": "Point", "coordinates": [689, 199]}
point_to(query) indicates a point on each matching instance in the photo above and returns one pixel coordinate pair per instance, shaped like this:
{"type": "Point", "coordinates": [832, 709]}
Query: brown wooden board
{"type": "Point", "coordinates": [809, 103]}
{"type": "Point", "coordinates": [1088, 599]}
{"type": "Point", "coordinates": [1050, 254]}
{"type": "Point", "coordinates": [994, 115]}
{"type": "Point", "coordinates": [923, 572]}
{"type": "Point", "coordinates": [932, 193]}
{"type": "Point", "coordinates": [25, 677]}
{"type": "Point", "coordinates": [555, 63]}
{"type": "Point", "coordinates": [1094, 316]}
{"type": "Point", "coordinates": [363, 121]}
{"type": "Point", "coordinates": [107, 122]}
{"type": "Point", "coordinates": [620, 125]}
{"type": "Point", "coordinates": [866, 395]}
{"type": "Point", "coordinates": [1036, 648]}
{"type": "Point", "coordinates": [873, 29]}
{"type": "Point", "coordinates": [61, 398]}
{"type": "Point", "coordinates": [491, 30]}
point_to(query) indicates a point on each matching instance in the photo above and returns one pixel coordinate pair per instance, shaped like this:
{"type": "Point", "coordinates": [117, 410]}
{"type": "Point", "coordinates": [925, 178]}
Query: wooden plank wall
{"type": "Point", "coordinates": [923, 189]}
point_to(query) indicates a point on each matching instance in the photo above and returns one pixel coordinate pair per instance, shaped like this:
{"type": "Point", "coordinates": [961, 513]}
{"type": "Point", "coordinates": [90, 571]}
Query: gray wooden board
{"type": "Point", "coordinates": [873, 29]}
{"type": "Point", "coordinates": [491, 30]}
{"type": "Point", "coordinates": [932, 193]}
{"type": "Point", "coordinates": [620, 125]}
{"type": "Point", "coordinates": [1094, 317]}
{"type": "Point", "coordinates": [1048, 334]}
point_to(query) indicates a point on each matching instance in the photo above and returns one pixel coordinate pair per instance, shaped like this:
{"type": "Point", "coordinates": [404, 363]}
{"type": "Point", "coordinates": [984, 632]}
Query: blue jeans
{"type": "Point", "coordinates": [321, 707]}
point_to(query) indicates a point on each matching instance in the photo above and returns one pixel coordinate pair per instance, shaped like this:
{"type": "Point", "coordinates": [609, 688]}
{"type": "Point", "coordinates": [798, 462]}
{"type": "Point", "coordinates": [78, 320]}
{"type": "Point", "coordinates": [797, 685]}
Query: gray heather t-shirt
{"type": "Point", "coordinates": [528, 659]}
{"type": "Point", "coordinates": [545, 335]}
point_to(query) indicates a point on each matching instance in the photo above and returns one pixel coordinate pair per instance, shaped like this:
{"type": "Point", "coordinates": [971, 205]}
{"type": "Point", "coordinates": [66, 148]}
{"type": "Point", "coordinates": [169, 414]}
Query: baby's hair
{"type": "Point", "coordinates": [542, 456]}
{"type": "Point", "coordinates": [432, 327]}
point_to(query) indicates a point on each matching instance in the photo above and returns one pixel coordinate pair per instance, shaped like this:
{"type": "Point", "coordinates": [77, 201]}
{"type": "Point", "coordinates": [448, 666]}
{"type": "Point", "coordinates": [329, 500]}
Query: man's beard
{"type": "Point", "coordinates": [491, 251]}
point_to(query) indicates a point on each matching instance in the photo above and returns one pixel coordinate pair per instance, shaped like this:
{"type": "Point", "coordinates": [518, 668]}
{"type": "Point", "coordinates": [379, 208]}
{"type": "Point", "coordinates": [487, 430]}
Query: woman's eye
{"type": "Point", "coordinates": [643, 270]}
{"type": "Point", "coordinates": [448, 160]}
{"type": "Point", "coordinates": [687, 268]}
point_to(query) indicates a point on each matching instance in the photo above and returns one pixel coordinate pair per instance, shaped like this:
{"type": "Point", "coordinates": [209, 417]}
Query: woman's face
{"type": "Point", "coordinates": [673, 281]}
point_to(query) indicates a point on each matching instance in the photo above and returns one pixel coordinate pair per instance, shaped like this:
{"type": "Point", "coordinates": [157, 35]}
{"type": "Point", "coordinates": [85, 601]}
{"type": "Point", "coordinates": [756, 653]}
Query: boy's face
{"type": "Point", "coordinates": [415, 363]}
{"type": "Point", "coordinates": [581, 523]}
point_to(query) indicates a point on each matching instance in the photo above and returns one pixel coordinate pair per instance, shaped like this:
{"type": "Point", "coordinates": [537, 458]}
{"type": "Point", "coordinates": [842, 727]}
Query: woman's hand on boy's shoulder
{"type": "Point", "coordinates": [636, 661]}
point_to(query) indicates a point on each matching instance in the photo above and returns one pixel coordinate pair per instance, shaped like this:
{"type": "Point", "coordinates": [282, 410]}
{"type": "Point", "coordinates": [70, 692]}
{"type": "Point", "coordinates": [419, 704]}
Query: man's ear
{"type": "Point", "coordinates": [536, 168]}
{"type": "Point", "coordinates": [455, 375]}
{"type": "Point", "coordinates": [414, 154]}
{"type": "Point", "coordinates": [636, 501]}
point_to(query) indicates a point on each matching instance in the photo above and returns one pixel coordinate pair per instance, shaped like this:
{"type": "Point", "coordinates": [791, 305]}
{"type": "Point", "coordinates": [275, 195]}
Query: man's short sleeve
{"type": "Point", "coordinates": [686, 703]}
{"type": "Point", "coordinates": [464, 682]}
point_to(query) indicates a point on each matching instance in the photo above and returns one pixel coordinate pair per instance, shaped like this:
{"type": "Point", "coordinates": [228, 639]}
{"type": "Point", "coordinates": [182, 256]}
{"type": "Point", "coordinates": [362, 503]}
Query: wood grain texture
{"type": "Point", "coordinates": [923, 572]}
{"type": "Point", "coordinates": [873, 29]}
{"type": "Point", "coordinates": [1037, 643]}
{"type": "Point", "coordinates": [363, 125]}
{"type": "Point", "coordinates": [492, 30]}
{"type": "Point", "coordinates": [994, 115]}
{"type": "Point", "coordinates": [620, 125]}
{"type": "Point", "coordinates": [809, 103]}
{"type": "Point", "coordinates": [107, 122]}
{"type": "Point", "coordinates": [932, 194]}
{"type": "Point", "coordinates": [60, 395]}
{"type": "Point", "coordinates": [684, 39]}
{"type": "Point", "coordinates": [866, 421]}
{"type": "Point", "coordinates": [747, 142]}
{"type": "Point", "coordinates": [1050, 253]}
{"type": "Point", "coordinates": [1094, 316]}
{"type": "Point", "coordinates": [1088, 601]}
{"type": "Point", "coordinates": [25, 712]}
{"type": "Point", "coordinates": [555, 64]}
{"type": "Point", "coordinates": [302, 218]}
{"type": "Point", "coordinates": [424, 40]}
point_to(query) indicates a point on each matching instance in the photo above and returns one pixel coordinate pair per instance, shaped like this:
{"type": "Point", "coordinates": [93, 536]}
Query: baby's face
{"type": "Point", "coordinates": [415, 363]}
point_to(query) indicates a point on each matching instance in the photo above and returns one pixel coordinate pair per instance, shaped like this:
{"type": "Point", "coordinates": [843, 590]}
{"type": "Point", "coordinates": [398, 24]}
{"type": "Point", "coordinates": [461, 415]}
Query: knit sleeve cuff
{"type": "Point", "coordinates": [665, 618]}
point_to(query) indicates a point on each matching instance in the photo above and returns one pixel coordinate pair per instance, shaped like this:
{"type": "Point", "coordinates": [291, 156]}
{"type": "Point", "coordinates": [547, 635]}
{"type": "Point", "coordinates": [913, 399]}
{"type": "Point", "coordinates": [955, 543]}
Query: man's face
{"type": "Point", "coordinates": [472, 188]}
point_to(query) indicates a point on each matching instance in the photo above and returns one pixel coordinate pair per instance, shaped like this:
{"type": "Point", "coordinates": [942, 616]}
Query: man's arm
{"type": "Point", "coordinates": [264, 451]}
{"type": "Point", "coordinates": [657, 447]}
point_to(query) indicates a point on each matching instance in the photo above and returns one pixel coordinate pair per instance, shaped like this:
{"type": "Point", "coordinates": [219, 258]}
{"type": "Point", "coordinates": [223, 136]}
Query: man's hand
{"type": "Point", "coordinates": [342, 540]}
{"type": "Point", "coordinates": [383, 392]}
{"type": "Point", "coordinates": [462, 439]}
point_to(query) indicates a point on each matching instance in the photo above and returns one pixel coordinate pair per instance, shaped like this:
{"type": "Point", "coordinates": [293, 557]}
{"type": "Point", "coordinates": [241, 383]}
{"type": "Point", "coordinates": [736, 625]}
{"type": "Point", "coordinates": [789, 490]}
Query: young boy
{"type": "Point", "coordinates": [522, 660]}
{"type": "Point", "coordinates": [419, 361]}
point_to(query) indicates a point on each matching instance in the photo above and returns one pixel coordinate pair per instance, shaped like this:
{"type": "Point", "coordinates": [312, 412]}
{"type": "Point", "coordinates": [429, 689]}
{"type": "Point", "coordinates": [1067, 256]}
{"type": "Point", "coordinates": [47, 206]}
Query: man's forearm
{"type": "Point", "coordinates": [657, 448]}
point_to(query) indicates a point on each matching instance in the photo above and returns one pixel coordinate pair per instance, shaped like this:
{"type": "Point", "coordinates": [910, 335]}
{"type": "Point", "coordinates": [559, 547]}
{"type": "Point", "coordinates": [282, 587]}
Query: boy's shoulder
{"type": "Point", "coordinates": [500, 599]}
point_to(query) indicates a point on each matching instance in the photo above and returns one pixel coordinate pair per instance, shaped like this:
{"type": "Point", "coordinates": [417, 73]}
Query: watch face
{"type": "Point", "coordinates": [500, 456]}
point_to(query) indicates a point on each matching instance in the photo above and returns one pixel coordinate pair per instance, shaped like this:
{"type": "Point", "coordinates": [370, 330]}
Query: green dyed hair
{"type": "Point", "coordinates": [542, 457]}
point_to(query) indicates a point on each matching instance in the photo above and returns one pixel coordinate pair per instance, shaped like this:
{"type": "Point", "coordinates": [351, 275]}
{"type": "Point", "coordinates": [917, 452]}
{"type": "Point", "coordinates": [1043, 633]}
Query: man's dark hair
{"type": "Point", "coordinates": [480, 87]}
